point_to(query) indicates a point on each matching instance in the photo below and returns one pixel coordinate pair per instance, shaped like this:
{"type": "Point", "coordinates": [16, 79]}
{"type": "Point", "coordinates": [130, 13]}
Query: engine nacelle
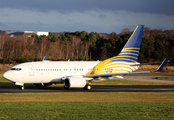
{"type": "Point", "coordinates": [74, 82]}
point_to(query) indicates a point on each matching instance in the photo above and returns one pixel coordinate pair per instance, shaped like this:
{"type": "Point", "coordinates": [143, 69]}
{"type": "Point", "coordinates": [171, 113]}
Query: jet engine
{"type": "Point", "coordinates": [74, 82]}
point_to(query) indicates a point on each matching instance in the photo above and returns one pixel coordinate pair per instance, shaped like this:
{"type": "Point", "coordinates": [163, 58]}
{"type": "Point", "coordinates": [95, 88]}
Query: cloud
{"type": "Point", "coordinates": [21, 26]}
{"type": "Point", "coordinates": [54, 17]}
{"type": "Point", "coordinates": [102, 16]}
{"type": "Point", "coordinates": [89, 15]}
{"type": "Point", "coordinates": [69, 6]}
{"type": "Point", "coordinates": [99, 21]}
{"type": "Point", "coordinates": [4, 15]}
{"type": "Point", "coordinates": [2, 25]}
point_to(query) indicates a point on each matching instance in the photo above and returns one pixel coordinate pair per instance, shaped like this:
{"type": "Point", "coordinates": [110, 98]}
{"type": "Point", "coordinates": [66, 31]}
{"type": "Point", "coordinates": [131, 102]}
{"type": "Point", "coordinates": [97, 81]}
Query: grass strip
{"type": "Point", "coordinates": [165, 78]}
{"type": "Point", "coordinates": [89, 97]}
{"type": "Point", "coordinates": [87, 110]}
{"type": "Point", "coordinates": [129, 82]}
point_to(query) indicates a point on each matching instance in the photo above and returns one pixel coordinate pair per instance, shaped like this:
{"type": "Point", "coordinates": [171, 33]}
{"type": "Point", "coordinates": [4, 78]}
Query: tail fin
{"type": "Point", "coordinates": [120, 63]}
{"type": "Point", "coordinates": [130, 52]}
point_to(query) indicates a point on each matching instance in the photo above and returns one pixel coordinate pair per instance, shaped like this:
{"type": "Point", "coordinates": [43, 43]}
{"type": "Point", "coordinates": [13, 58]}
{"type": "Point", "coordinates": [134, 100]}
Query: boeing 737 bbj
{"type": "Point", "coordinates": [79, 74]}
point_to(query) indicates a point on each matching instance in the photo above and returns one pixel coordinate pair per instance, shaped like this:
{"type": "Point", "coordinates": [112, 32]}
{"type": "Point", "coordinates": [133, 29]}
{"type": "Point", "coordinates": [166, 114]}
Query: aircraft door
{"type": "Point", "coordinates": [31, 70]}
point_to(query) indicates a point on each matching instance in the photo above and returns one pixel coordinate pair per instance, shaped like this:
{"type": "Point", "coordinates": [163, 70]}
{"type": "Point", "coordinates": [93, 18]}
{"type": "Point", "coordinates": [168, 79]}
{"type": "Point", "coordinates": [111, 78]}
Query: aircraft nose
{"type": "Point", "coordinates": [7, 75]}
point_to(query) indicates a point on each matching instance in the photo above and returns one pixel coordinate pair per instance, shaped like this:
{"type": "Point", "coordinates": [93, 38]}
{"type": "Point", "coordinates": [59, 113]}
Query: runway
{"type": "Point", "coordinates": [94, 88]}
{"type": "Point", "coordinates": [102, 88]}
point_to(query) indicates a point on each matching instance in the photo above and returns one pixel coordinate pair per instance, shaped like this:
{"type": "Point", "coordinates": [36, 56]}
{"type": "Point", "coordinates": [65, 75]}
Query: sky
{"type": "Point", "coordinates": [102, 16]}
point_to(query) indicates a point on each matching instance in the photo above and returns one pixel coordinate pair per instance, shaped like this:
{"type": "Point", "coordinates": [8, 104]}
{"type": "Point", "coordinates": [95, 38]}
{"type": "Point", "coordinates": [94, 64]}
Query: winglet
{"type": "Point", "coordinates": [162, 65]}
{"type": "Point", "coordinates": [45, 57]}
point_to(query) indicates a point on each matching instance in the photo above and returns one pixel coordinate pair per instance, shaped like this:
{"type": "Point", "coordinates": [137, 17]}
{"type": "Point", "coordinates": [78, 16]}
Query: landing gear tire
{"type": "Point", "coordinates": [21, 87]}
{"type": "Point", "coordinates": [66, 87]}
{"type": "Point", "coordinates": [87, 87]}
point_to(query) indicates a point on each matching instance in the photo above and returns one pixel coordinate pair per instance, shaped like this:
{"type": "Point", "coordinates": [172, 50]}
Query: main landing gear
{"type": "Point", "coordinates": [21, 87]}
{"type": "Point", "coordinates": [87, 87]}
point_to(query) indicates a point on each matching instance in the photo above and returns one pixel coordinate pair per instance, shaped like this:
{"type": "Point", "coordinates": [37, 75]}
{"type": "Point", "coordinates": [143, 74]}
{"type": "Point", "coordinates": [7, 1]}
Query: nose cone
{"type": "Point", "coordinates": [7, 75]}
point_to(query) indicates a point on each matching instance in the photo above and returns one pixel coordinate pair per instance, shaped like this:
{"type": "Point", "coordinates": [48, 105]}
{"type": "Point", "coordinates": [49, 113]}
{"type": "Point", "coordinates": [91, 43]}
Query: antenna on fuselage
{"type": "Point", "coordinates": [45, 57]}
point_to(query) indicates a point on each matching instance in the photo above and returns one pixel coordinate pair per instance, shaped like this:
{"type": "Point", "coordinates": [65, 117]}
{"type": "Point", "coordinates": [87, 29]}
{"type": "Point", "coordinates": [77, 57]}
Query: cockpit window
{"type": "Point", "coordinates": [12, 68]}
{"type": "Point", "coordinates": [17, 69]}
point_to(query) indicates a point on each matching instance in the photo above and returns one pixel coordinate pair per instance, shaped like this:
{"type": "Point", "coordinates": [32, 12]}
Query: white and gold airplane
{"type": "Point", "coordinates": [79, 74]}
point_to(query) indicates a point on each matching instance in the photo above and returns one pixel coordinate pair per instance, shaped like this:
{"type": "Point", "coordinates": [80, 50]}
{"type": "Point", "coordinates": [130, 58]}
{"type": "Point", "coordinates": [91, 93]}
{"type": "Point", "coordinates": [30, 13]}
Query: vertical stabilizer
{"type": "Point", "coordinates": [130, 51]}
{"type": "Point", "coordinates": [121, 62]}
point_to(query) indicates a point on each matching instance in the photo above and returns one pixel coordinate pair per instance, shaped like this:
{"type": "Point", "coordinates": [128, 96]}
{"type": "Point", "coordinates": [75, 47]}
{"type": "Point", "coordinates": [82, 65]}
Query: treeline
{"type": "Point", "coordinates": [80, 45]}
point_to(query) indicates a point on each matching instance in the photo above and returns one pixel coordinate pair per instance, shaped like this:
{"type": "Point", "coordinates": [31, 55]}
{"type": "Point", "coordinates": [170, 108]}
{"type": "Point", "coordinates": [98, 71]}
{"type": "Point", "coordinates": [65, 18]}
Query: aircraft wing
{"type": "Point", "coordinates": [114, 74]}
{"type": "Point", "coordinates": [126, 73]}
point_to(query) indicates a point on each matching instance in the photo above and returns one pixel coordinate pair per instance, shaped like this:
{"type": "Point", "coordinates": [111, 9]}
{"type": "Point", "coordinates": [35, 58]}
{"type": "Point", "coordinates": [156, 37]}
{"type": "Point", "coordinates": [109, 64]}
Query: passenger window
{"type": "Point", "coordinates": [19, 69]}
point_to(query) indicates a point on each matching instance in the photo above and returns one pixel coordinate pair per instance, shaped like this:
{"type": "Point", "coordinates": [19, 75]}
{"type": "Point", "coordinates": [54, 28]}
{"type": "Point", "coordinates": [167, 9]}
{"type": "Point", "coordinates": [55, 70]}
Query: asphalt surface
{"type": "Point", "coordinates": [94, 88]}
{"type": "Point", "coordinates": [101, 88]}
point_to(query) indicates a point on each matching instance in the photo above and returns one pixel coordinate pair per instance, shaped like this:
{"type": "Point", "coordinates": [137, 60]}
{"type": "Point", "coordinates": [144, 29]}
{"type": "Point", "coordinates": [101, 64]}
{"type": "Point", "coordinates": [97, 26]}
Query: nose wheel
{"type": "Point", "coordinates": [21, 87]}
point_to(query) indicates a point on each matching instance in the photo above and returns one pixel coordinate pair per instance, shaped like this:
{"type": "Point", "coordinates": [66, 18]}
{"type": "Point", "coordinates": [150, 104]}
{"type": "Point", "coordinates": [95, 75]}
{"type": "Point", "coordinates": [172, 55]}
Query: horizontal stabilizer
{"type": "Point", "coordinates": [162, 65]}
{"type": "Point", "coordinates": [150, 63]}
